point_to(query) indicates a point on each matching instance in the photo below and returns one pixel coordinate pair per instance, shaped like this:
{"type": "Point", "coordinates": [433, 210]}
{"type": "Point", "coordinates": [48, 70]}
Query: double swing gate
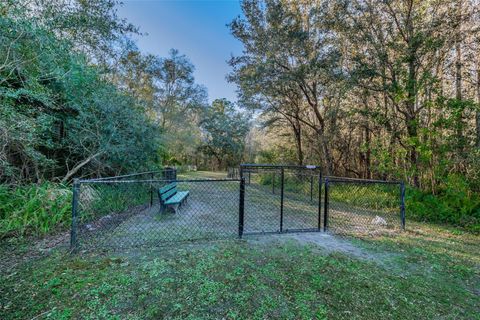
{"type": "Point", "coordinates": [125, 211]}
{"type": "Point", "coordinates": [281, 199]}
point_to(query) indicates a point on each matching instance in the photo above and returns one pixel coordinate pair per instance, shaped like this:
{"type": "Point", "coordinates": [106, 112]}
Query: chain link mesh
{"type": "Point", "coordinates": [268, 209]}
{"type": "Point", "coordinates": [301, 200]}
{"type": "Point", "coordinates": [233, 173]}
{"type": "Point", "coordinates": [262, 201]}
{"type": "Point", "coordinates": [128, 211]}
{"type": "Point", "coordinates": [363, 208]}
{"type": "Point", "coordinates": [123, 214]}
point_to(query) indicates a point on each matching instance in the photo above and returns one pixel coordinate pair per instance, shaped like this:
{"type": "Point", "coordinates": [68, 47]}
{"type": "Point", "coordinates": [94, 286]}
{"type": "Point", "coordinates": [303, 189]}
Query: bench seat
{"type": "Point", "coordinates": [177, 198]}
{"type": "Point", "coordinates": [170, 197]}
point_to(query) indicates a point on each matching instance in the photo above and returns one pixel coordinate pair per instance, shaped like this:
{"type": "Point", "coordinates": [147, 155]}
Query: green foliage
{"type": "Point", "coordinates": [59, 115]}
{"type": "Point", "coordinates": [455, 204]}
{"type": "Point", "coordinates": [226, 129]}
{"type": "Point", "coordinates": [268, 156]}
{"type": "Point", "coordinates": [391, 104]}
{"type": "Point", "coordinates": [98, 200]}
{"type": "Point", "coordinates": [34, 209]}
{"type": "Point", "coordinates": [383, 197]}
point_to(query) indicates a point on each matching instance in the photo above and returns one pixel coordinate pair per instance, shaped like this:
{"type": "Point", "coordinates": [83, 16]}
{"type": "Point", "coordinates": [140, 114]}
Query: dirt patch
{"type": "Point", "coordinates": [13, 254]}
{"type": "Point", "coordinates": [327, 243]}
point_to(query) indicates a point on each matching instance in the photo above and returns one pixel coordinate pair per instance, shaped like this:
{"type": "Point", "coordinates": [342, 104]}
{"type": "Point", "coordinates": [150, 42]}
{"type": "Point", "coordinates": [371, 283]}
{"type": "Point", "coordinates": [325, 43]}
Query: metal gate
{"type": "Point", "coordinates": [280, 199]}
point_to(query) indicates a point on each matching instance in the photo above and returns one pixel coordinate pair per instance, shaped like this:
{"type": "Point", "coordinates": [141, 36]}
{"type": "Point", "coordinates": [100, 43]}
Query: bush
{"type": "Point", "coordinates": [456, 204]}
{"type": "Point", "coordinates": [34, 209]}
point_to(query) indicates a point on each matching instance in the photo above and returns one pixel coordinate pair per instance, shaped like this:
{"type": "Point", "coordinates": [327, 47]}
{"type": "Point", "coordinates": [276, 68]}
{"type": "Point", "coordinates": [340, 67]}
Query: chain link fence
{"type": "Point", "coordinates": [233, 173]}
{"type": "Point", "coordinates": [129, 213]}
{"type": "Point", "coordinates": [357, 207]}
{"type": "Point", "coordinates": [281, 198]}
{"type": "Point", "coordinates": [154, 208]}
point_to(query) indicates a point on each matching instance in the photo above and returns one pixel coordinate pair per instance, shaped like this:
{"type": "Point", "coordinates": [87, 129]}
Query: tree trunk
{"type": "Point", "coordinates": [79, 166]}
{"type": "Point", "coordinates": [458, 74]}
{"type": "Point", "coordinates": [477, 114]}
{"type": "Point", "coordinates": [368, 172]}
{"type": "Point", "coordinates": [326, 153]}
{"type": "Point", "coordinates": [297, 129]}
{"type": "Point", "coordinates": [458, 51]}
{"type": "Point", "coordinates": [411, 120]}
{"type": "Point", "coordinates": [412, 155]}
{"type": "Point", "coordinates": [410, 103]}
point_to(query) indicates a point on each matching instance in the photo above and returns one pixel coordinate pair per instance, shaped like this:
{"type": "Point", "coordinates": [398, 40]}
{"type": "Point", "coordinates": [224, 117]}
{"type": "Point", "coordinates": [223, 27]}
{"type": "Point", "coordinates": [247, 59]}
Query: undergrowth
{"type": "Point", "coordinates": [455, 204]}
{"type": "Point", "coordinates": [34, 209]}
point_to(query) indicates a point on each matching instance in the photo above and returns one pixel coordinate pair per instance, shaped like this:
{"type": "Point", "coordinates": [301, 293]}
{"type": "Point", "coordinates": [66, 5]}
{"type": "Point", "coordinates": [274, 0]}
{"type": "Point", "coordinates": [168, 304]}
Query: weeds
{"type": "Point", "coordinates": [34, 209]}
{"type": "Point", "coordinates": [423, 277]}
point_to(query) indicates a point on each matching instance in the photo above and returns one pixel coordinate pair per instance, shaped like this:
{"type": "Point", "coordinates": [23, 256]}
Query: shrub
{"type": "Point", "coordinates": [34, 209]}
{"type": "Point", "coordinates": [456, 204]}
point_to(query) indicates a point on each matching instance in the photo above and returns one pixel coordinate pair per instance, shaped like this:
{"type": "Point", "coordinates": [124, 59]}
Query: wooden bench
{"type": "Point", "coordinates": [171, 198]}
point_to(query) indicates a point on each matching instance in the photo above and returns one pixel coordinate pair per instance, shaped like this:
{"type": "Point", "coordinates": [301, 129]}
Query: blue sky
{"type": "Point", "coordinates": [197, 29]}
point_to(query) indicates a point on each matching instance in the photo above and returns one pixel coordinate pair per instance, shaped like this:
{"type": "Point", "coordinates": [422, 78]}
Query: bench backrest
{"type": "Point", "coordinates": [167, 191]}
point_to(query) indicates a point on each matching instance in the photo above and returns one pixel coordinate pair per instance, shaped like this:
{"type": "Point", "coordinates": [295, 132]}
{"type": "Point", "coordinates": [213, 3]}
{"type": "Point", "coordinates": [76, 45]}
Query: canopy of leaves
{"type": "Point", "coordinates": [59, 115]}
{"type": "Point", "coordinates": [224, 131]}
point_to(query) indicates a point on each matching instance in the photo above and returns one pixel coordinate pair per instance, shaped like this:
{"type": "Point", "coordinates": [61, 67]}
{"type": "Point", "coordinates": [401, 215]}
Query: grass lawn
{"type": "Point", "coordinates": [425, 273]}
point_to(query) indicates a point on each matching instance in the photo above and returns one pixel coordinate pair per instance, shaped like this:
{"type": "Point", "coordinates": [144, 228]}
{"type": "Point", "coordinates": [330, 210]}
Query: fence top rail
{"type": "Point", "coordinates": [128, 175]}
{"type": "Point", "coordinates": [279, 166]}
{"type": "Point", "coordinates": [359, 180]}
{"type": "Point", "coordinates": [156, 181]}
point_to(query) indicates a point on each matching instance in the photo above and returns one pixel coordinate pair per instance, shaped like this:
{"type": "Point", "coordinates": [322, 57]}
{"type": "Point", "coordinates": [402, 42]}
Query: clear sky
{"type": "Point", "coordinates": [197, 29]}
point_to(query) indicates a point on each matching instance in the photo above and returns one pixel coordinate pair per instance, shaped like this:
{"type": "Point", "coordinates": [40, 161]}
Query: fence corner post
{"type": "Point", "coordinates": [273, 182]}
{"type": "Point", "coordinates": [282, 187]}
{"type": "Point", "coordinates": [319, 202]}
{"type": "Point", "coordinates": [73, 231]}
{"type": "Point", "coordinates": [402, 204]}
{"type": "Point", "coordinates": [311, 187]}
{"type": "Point", "coordinates": [325, 204]}
{"type": "Point", "coordinates": [241, 208]}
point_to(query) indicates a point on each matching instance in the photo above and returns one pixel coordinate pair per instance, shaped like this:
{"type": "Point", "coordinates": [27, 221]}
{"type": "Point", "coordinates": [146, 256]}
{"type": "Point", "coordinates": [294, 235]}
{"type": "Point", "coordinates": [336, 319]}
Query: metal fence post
{"type": "Point", "coordinates": [319, 202]}
{"type": "Point", "coordinates": [281, 198]}
{"type": "Point", "coordinates": [311, 188]}
{"type": "Point", "coordinates": [73, 231]}
{"type": "Point", "coordinates": [402, 204]}
{"type": "Point", "coordinates": [325, 209]}
{"type": "Point", "coordinates": [241, 208]}
{"type": "Point", "coordinates": [273, 183]}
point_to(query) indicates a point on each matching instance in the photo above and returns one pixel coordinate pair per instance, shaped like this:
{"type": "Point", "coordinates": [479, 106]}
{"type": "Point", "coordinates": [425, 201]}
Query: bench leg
{"type": "Point", "coordinates": [176, 208]}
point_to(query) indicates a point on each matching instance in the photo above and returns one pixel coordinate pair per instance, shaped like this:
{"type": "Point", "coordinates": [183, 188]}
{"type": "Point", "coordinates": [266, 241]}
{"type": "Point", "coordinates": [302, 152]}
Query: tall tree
{"type": "Point", "coordinates": [288, 53]}
{"type": "Point", "coordinates": [224, 133]}
{"type": "Point", "coordinates": [379, 88]}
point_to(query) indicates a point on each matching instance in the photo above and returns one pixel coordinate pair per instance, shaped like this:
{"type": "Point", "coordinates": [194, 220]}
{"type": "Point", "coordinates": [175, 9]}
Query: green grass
{"type": "Point", "coordinates": [426, 273]}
